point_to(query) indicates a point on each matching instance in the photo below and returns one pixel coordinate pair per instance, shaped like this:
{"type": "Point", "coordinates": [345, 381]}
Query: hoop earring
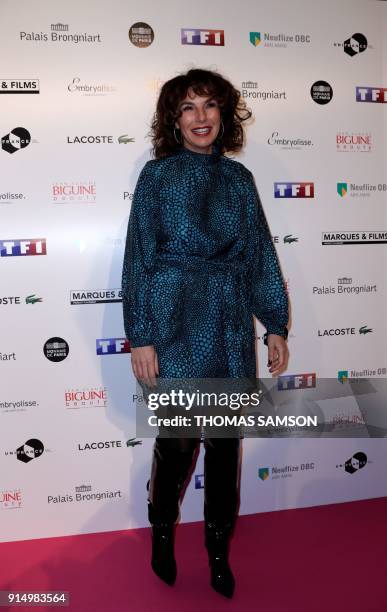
{"type": "Point", "coordinates": [174, 133]}
{"type": "Point", "coordinates": [220, 136]}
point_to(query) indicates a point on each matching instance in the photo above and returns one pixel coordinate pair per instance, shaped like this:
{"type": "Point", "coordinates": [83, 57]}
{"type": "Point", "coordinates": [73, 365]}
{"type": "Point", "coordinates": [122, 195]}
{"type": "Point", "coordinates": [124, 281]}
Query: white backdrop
{"type": "Point", "coordinates": [105, 87]}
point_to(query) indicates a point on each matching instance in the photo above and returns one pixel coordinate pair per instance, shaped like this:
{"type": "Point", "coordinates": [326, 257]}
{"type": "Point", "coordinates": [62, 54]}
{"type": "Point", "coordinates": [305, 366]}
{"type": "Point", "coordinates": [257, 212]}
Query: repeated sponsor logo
{"type": "Point", "coordinates": [344, 331]}
{"type": "Point", "coordinates": [293, 190]}
{"type": "Point", "coordinates": [17, 300]}
{"type": "Point", "coordinates": [285, 471]}
{"type": "Point", "coordinates": [293, 382]}
{"type": "Point", "coordinates": [112, 346]}
{"type": "Point", "coordinates": [25, 86]}
{"type": "Point", "coordinates": [371, 94]}
{"type": "Point", "coordinates": [84, 493]}
{"type": "Point", "coordinates": [84, 192]}
{"type": "Point", "coordinates": [59, 33]}
{"type": "Point", "coordinates": [287, 239]}
{"type": "Point", "coordinates": [100, 445]}
{"type": "Point", "coordinates": [9, 197]}
{"type": "Point", "coordinates": [278, 40]}
{"type": "Point", "coordinates": [362, 190]}
{"type": "Point", "coordinates": [344, 286]}
{"type": "Point", "coordinates": [19, 138]}
{"type": "Point", "coordinates": [355, 463]}
{"type": "Point", "coordinates": [202, 36]}
{"type": "Point", "coordinates": [31, 449]}
{"type": "Point", "coordinates": [10, 499]}
{"type": "Point", "coordinates": [353, 142]}
{"type": "Point", "coordinates": [199, 481]}
{"type": "Point", "coordinates": [344, 375]}
{"type": "Point", "coordinates": [18, 406]}
{"type": "Point", "coordinates": [89, 397]}
{"type": "Point", "coordinates": [141, 34]}
{"type": "Point", "coordinates": [355, 44]}
{"type": "Point", "coordinates": [252, 91]}
{"type": "Point", "coordinates": [90, 89]}
{"type": "Point", "coordinates": [343, 237]}
{"type": "Point", "coordinates": [22, 247]}
{"type": "Point", "coordinates": [56, 349]}
{"type": "Point", "coordinates": [95, 296]}
{"type": "Point", "coordinates": [321, 92]}
{"type": "Point", "coordinates": [123, 139]}
{"type": "Point", "coordinates": [289, 144]}
{"type": "Point", "coordinates": [6, 357]}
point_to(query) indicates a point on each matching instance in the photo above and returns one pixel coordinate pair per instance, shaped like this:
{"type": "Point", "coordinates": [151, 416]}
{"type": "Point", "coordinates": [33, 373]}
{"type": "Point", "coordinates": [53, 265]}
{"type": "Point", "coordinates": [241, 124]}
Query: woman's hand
{"type": "Point", "coordinates": [145, 364]}
{"type": "Point", "coordinates": [278, 354]}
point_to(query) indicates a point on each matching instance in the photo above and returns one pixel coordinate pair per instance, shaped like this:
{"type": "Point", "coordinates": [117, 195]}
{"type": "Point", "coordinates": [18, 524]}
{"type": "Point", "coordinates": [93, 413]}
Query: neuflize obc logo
{"type": "Point", "coordinates": [22, 246]}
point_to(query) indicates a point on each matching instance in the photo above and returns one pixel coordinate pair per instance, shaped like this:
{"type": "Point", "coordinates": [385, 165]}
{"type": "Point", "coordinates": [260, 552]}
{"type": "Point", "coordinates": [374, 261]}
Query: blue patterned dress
{"type": "Point", "coordinates": [199, 262]}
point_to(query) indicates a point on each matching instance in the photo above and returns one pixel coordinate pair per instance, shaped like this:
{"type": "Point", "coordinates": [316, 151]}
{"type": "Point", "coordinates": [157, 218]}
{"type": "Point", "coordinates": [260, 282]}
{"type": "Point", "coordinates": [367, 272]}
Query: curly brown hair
{"type": "Point", "coordinates": [233, 110]}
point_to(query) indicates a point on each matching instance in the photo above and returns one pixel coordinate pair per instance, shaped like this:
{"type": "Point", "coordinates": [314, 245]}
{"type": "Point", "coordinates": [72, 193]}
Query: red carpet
{"type": "Point", "coordinates": [325, 559]}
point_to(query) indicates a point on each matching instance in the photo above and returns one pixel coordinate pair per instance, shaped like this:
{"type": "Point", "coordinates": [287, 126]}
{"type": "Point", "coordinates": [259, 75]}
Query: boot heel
{"type": "Point", "coordinates": [163, 559]}
{"type": "Point", "coordinates": [222, 579]}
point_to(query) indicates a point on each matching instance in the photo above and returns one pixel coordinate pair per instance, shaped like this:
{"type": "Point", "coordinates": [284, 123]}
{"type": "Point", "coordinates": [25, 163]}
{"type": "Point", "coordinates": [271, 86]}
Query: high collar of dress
{"type": "Point", "coordinates": [201, 158]}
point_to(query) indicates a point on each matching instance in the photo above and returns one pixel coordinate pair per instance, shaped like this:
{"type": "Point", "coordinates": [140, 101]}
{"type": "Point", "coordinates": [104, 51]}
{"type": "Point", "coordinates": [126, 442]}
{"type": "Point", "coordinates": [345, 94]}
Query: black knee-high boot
{"type": "Point", "coordinates": [172, 459]}
{"type": "Point", "coordinates": [221, 470]}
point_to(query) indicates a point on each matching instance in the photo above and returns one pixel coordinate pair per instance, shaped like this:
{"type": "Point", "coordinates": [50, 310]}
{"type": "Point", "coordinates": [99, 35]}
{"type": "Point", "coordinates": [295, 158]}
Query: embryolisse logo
{"type": "Point", "coordinates": [202, 36]}
{"type": "Point", "coordinates": [289, 144]}
{"type": "Point", "coordinates": [85, 88]}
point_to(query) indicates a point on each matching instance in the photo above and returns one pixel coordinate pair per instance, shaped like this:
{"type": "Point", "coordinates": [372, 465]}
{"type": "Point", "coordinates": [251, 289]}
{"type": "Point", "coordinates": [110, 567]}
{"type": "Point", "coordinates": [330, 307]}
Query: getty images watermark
{"type": "Point", "coordinates": [244, 407]}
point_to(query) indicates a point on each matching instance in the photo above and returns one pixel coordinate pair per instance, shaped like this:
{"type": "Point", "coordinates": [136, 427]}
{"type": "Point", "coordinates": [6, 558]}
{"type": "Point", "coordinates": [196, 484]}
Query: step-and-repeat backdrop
{"type": "Point", "coordinates": [78, 87]}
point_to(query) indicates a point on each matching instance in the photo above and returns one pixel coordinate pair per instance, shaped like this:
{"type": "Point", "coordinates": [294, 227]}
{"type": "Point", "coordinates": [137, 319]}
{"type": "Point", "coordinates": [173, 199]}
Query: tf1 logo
{"type": "Point", "coordinates": [371, 94]}
{"type": "Point", "coordinates": [191, 36]}
{"type": "Point", "coordinates": [294, 190]}
{"type": "Point", "coordinates": [25, 246]}
{"type": "Point", "coordinates": [297, 381]}
{"type": "Point", "coordinates": [112, 346]}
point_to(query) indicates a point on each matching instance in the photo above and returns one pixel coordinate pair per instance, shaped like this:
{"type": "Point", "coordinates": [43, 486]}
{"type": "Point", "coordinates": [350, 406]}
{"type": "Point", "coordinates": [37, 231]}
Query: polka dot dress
{"type": "Point", "coordinates": [199, 262]}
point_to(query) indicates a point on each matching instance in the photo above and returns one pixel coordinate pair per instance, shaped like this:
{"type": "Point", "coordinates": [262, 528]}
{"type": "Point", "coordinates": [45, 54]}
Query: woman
{"type": "Point", "coordinates": [199, 262]}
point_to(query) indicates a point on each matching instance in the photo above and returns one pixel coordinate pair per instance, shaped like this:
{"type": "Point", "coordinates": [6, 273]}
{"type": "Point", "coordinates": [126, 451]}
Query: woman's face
{"type": "Point", "coordinates": [199, 122]}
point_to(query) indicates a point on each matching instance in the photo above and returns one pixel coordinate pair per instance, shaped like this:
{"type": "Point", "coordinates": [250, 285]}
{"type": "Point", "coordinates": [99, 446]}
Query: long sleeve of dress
{"type": "Point", "coordinates": [140, 251]}
{"type": "Point", "coordinates": [269, 296]}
